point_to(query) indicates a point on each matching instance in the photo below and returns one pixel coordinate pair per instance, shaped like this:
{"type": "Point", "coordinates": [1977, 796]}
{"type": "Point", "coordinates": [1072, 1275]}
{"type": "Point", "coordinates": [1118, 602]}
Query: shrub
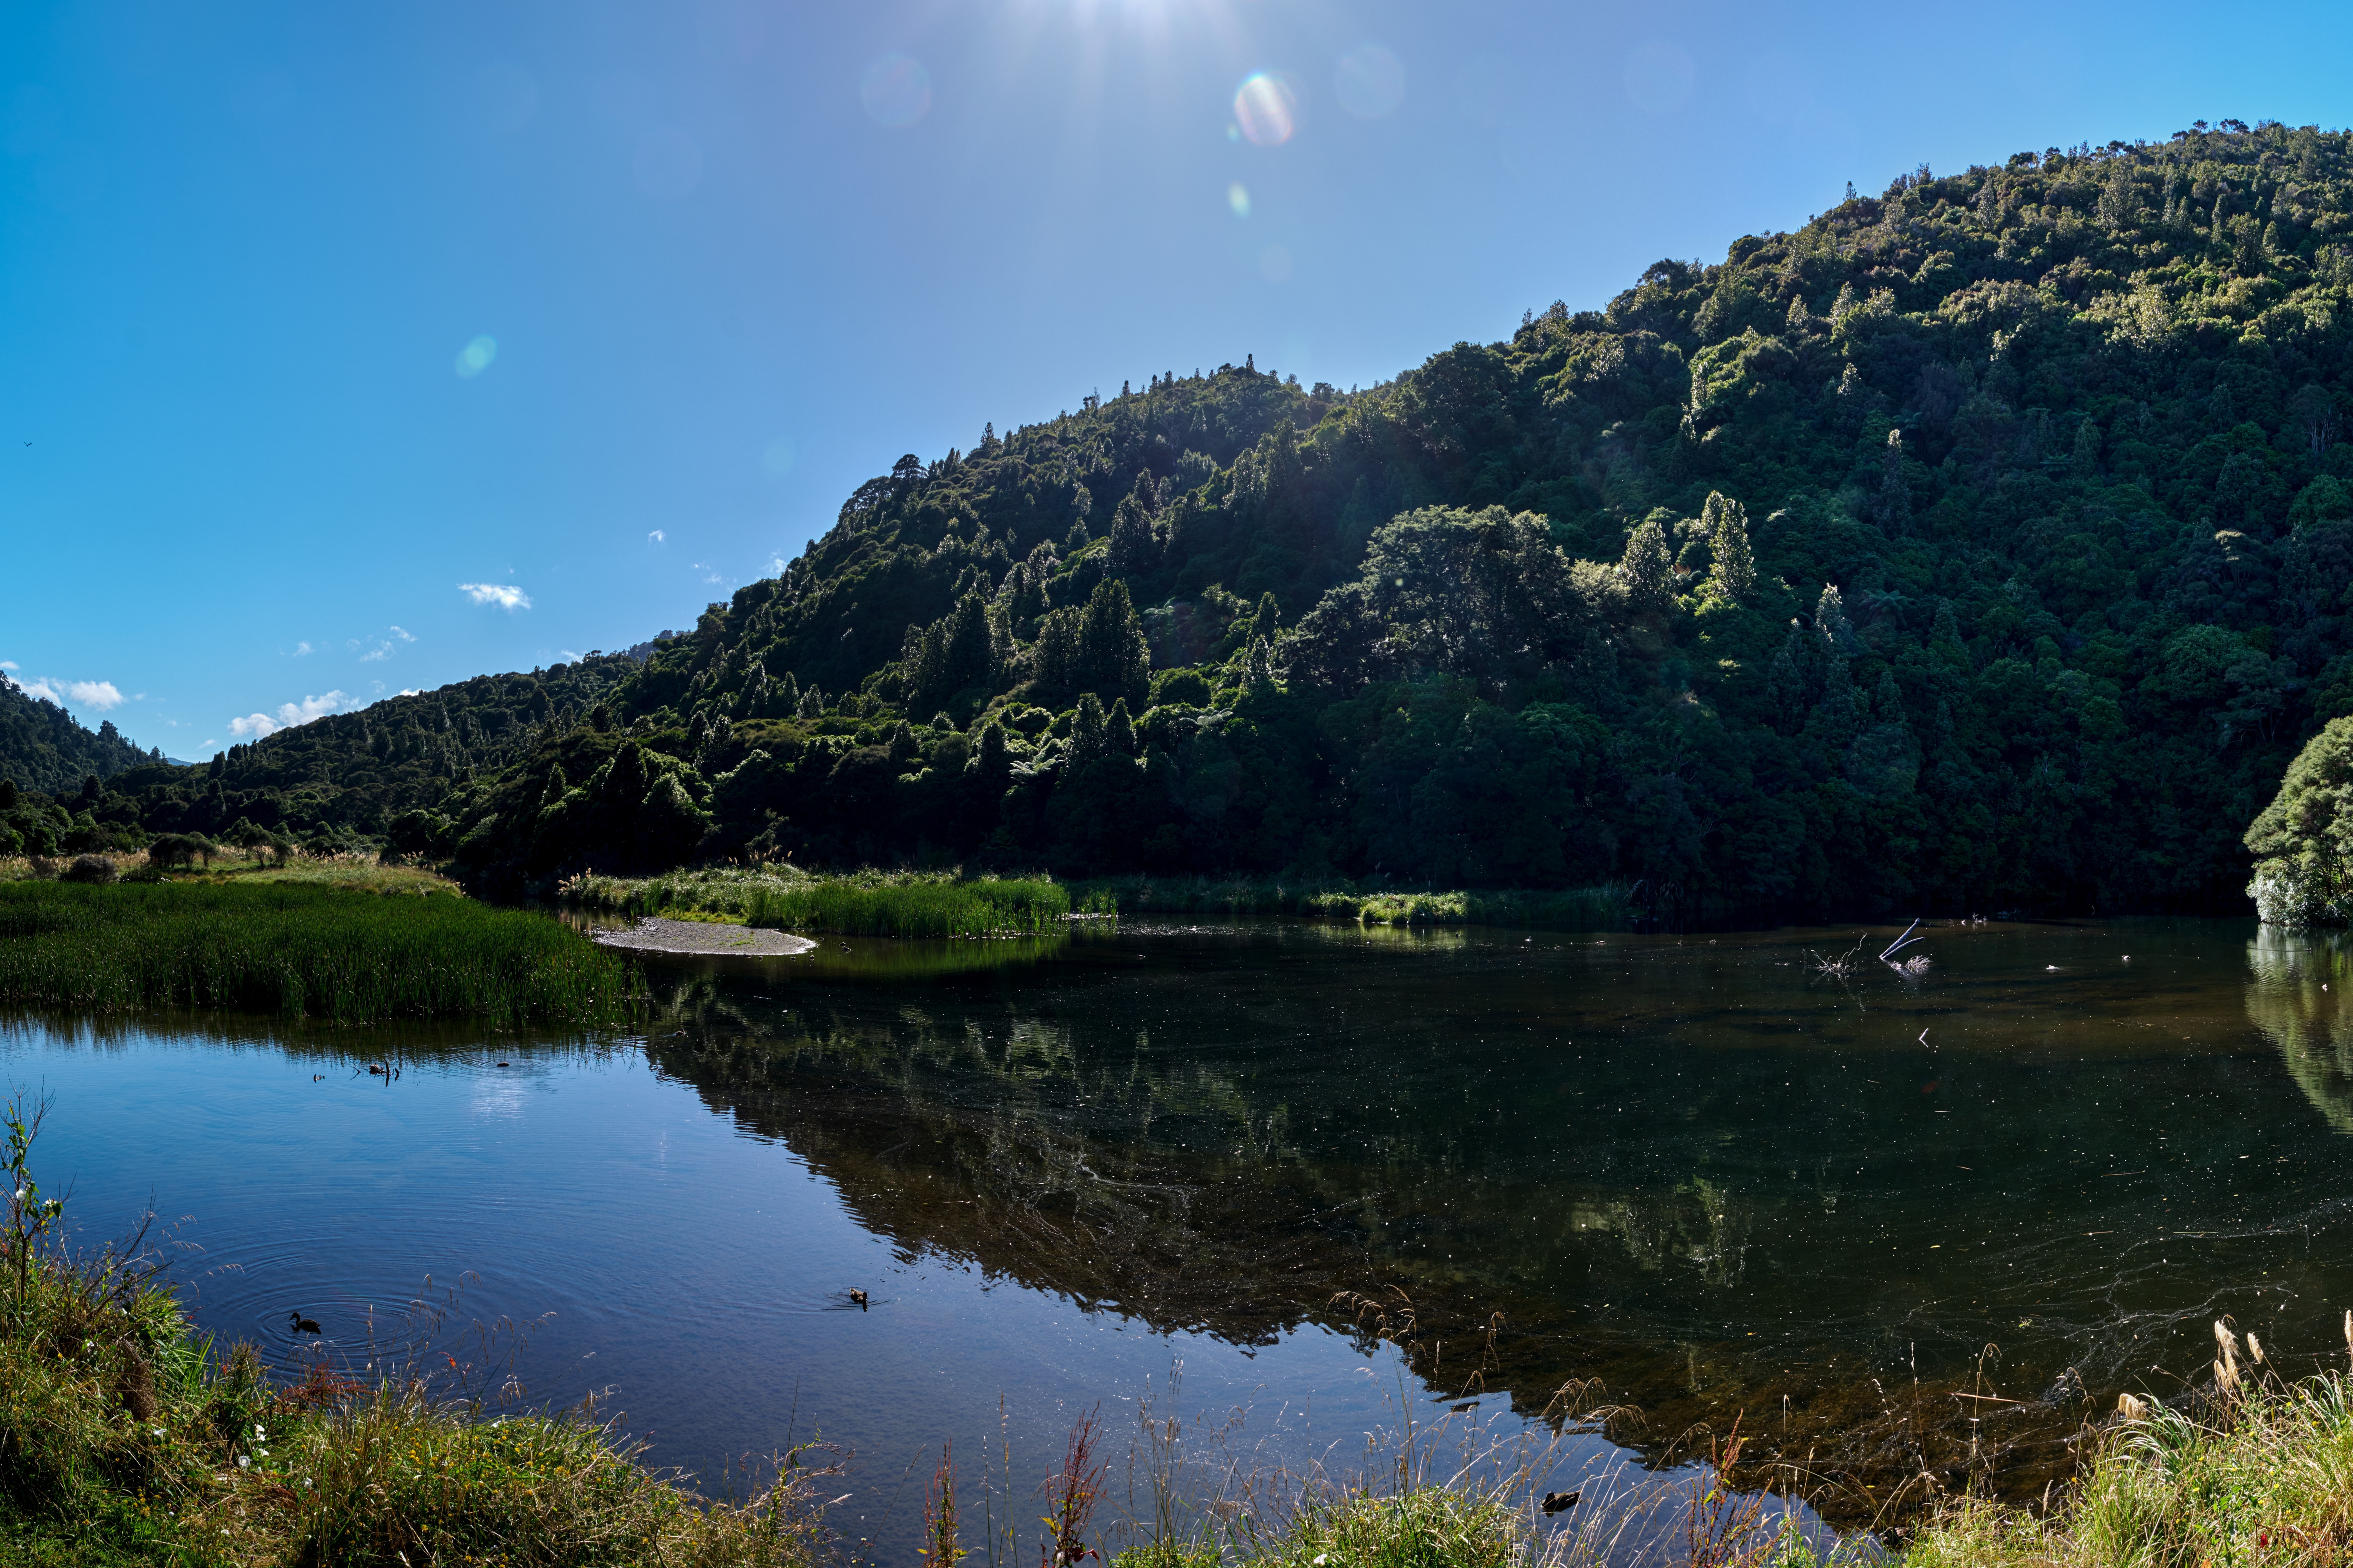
{"type": "Point", "coordinates": [90, 868]}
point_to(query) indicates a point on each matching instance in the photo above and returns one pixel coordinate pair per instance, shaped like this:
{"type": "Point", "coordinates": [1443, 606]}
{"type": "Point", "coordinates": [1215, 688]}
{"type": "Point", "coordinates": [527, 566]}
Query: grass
{"type": "Point", "coordinates": [869, 903]}
{"type": "Point", "coordinates": [297, 951]}
{"type": "Point", "coordinates": [2260, 1476]}
{"type": "Point", "coordinates": [1608, 907]}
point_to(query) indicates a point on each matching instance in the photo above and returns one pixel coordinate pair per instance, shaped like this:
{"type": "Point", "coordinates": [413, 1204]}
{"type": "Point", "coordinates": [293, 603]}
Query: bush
{"type": "Point", "coordinates": [181, 849]}
{"type": "Point", "coordinates": [90, 868]}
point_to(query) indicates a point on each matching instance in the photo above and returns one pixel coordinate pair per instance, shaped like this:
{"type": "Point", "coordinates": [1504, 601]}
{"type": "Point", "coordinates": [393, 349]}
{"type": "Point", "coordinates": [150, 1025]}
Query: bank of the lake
{"type": "Point", "coordinates": [897, 904]}
{"type": "Point", "coordinates": [915, 904]}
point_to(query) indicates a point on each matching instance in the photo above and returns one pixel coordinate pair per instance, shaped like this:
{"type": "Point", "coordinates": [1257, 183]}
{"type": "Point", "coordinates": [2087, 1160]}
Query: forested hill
{"type": "Point", "coordinates": [42, 748]}
{"type": "Point", "coordinates": [1979, 545]}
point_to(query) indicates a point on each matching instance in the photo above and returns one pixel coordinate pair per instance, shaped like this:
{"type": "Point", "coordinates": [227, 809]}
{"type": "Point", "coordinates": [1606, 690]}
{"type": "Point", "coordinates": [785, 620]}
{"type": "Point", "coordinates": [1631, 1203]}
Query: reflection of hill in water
{"type": "Point", "coordinates": [1241, 1187]}
{"type": "Point", "coordinates": [2302, 999]}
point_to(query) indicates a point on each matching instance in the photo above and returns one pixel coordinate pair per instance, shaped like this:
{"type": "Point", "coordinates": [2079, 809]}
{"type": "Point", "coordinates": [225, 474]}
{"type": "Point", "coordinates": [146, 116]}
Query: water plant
{"type": "Point", "coordinates": [297, 951]}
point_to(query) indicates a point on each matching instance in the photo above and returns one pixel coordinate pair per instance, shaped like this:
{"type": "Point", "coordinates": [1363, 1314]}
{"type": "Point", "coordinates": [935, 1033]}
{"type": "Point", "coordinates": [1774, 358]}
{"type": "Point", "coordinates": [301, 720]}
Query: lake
{"type": "Point", "coordinates": [1892, 1224]}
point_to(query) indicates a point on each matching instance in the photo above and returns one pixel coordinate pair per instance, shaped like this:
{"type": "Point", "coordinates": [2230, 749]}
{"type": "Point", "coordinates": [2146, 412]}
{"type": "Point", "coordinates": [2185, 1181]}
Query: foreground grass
{"type": "Point", "coordinates": [2263, 1478]}
{"type": "Point", "coordinates": [125, 1440]}
{"type": "Point", "coordinates": [300, 951]}
{"type": "Point", "coordinates": [868, 903]}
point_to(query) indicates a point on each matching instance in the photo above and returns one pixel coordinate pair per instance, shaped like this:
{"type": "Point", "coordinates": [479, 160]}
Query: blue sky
{"type": "Point", "coordinates": [346, 348]}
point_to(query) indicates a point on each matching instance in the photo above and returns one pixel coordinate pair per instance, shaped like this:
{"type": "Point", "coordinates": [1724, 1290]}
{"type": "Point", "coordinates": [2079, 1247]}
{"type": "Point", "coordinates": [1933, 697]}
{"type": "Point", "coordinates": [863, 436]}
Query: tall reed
{"type": "Point", "coordinates": [986, 908]}
{"type": "Point", "coordinates": [298, 952]}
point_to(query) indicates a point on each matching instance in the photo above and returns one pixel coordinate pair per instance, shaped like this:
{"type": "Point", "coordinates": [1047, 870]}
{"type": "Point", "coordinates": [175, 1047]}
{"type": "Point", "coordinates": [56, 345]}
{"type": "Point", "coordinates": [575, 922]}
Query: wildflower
{"type": "Point", "coordinates": [243, 1463]}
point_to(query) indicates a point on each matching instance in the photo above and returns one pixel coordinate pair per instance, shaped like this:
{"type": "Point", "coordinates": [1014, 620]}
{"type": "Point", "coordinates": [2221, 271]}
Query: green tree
{"type": "Point", "coordinates": [2304, 839]}
{"type": "Point", "coordinates": [1734, 571]}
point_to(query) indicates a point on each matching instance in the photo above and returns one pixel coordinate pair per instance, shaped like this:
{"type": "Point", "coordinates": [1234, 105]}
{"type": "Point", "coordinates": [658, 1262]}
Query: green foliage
{"type": "Point", "coordinates": [297, 951]}
{"type": "Point", "coordinates": [2304, 836]}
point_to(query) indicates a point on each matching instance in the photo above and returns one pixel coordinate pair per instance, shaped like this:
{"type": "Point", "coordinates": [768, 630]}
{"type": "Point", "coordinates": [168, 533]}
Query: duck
{"type": "Point", "coordinates": [299, 1324]}
{"type": "Point", "coordinates": [859, 1297]}
{"type": "Point", "coordinates": [1561, 1502]}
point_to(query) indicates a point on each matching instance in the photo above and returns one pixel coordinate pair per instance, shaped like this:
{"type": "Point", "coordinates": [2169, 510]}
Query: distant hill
{"type": "Point", "coordinates": [42, 747]}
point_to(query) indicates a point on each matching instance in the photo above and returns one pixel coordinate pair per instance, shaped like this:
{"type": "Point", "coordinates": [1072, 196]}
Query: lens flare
{"type": "Point", "coordinates": [896, 91]}
{"type": "Point", "coordinates": [476, 357]}
{"type": "Point", "coordinates": [1238, 198]}
{"type": "Point", "coordinates": [1267, 109]}
{"type": "Point", "coordinates": [1371, 81]}
{"type": "Point", "coordinates": [1659, 78]}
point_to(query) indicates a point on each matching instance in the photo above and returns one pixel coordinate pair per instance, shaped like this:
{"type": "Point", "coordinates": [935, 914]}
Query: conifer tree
{"type": "Point", "coordinates": [1726, 524]}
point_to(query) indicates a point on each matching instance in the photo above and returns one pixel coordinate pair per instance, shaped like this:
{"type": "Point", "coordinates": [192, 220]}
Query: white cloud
{"type": "Point", "coordinates": [571, 656]}
{"type": "Point", "coordinates": [301, 649]}
{"type": "Point", "coordinates": [7, 664]}
{"type": "Point", "coordinates": [99, 694]}
{"type": "Point", "coordinates": [656, 536]}
{"type": "Point", "coordinates": [382, 650]}
{"type": "Point", "coordinates": [289, 715]}
{"type": "Point", "coordinates": [776, 565]}
{"type": "Point", "coordinates": [405, 636]}
{"type": "Point", "coordinates": [208, 745]}
{"type": "Point", "coordinates": [506, 596]}
{"type": "Point", "coordinates": [410, 691]}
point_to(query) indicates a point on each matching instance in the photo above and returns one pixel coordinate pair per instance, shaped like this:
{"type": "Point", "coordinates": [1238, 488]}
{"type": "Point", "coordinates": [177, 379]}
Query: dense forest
{"type": "Point", "coordinates": [1983, 544]}
{"type": "Point", "coordinates": [42, 747]}
{"type": "Point", "coordinates": [337, 782]}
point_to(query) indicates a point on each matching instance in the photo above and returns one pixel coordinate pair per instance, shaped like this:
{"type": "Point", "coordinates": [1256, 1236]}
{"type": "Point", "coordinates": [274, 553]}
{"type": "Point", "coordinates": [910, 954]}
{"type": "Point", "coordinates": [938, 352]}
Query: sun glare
{"type": "Point", "coordinates": [1267, 109]}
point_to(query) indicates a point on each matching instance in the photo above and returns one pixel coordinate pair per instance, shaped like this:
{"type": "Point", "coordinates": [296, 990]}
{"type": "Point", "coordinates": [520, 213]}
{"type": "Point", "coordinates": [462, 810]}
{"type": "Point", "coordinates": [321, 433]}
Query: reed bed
{"type": "Point", "coordinates": [865, 904]}
{"type": "Point", "coordinates": [989, 907]}
{"type": "Point", "coordinates": [297, 951]}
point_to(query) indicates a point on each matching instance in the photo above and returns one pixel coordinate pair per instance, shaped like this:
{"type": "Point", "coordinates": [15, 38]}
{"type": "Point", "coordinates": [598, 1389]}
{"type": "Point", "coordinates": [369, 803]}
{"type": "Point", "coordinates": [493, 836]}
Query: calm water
{"type": "Point", "coordinates": [1698, 1171]}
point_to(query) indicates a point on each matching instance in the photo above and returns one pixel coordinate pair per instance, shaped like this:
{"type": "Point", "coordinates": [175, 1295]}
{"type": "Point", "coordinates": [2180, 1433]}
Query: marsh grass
{"type": "Point", "coordinates": [297, 951]}
{"type": "Point", "coordinates": [868, 903]}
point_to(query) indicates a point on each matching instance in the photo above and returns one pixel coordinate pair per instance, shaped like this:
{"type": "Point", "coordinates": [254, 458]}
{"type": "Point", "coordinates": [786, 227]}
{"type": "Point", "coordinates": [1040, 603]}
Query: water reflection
{"type": "Point", "coordinates": [1929, 1225]}
{"type": "Point", "coordinates": [2297, 998]}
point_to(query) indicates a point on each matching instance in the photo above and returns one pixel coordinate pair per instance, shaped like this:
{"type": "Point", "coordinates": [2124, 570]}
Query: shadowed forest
{"type": "Point", "coordinates": [1981, 545]}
